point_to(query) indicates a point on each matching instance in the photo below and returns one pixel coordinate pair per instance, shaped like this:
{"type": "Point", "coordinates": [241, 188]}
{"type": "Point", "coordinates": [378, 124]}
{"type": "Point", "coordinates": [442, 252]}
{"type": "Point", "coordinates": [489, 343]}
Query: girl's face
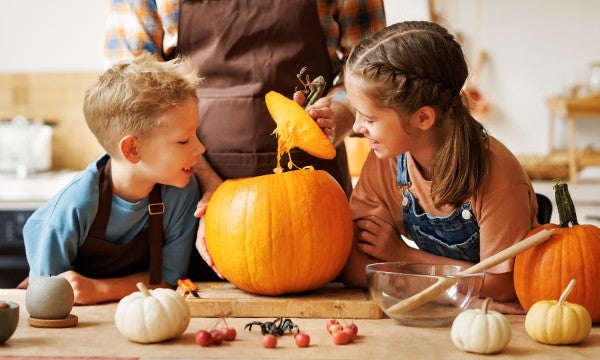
{"type": "Point", "coordinates": [381, 126]}
{"type": "Point", "coordinates": [170, 151]}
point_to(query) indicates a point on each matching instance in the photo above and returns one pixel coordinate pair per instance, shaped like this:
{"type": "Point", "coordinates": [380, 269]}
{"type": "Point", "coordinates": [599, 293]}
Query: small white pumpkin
{"type": "Point", "coordinates": [152, 316]}
{"type": "Point", "coordinates": [558, 322]}
{"type": "Point", "coordinates": [481, 331]}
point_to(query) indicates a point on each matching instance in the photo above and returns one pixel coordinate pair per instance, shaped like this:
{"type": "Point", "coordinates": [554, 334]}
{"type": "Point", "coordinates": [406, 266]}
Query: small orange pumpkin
{"type": "Point", "coordinates": [287, 232]}
{"type": "Point", "coordinates": [572, 252]}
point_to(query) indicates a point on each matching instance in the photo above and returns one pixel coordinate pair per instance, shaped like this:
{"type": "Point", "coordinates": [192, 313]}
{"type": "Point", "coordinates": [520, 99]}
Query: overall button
{"type": "Point", "coordinates": [404, 201]}
{"type": "Point", "coordinates": [466, 214]}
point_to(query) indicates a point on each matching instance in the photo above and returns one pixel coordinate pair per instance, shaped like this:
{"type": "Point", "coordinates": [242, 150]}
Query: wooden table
{"type": "Point", "coordinates": [97, 336]}
{"type": "Point", "coordinates": [571, 109]}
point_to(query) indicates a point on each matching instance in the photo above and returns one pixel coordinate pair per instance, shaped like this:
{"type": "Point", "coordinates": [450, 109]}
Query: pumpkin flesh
{"type": "Point", "coordinates": [295, 128]}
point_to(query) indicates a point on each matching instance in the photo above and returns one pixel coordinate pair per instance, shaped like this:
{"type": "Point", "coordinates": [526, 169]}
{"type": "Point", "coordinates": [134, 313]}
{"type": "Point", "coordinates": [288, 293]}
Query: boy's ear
{"type": "Point", "coordinates": [128, 146]}
{"type": "Point", "coordinates": [425, 117]}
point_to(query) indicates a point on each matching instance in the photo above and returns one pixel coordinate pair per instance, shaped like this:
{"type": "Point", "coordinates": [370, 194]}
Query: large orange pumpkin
{"type": "Point", "coordinates": [287, 232]}
{"type": "Point", "coordinates": [279, 233]}
{"type": "Point", "coordinates": [572, 252]}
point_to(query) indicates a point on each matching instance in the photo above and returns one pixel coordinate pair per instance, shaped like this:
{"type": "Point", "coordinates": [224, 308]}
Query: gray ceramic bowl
{"type": "Point", "coordinates": [391, 283]}
{"type": "Point", "coordinates": [9, 318]}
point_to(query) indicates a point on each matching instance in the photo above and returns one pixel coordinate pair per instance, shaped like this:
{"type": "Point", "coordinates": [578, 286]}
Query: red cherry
{"type": "Point", "coordinates": [217, 337]}
{"type": "Point", "coordinates": [335, 328]}
{"type": "Point", "coordinates": [351, 334]}
{"type": "Point", "coordinates": [229, 334]}
{"type": "Point", "coordinates": [302, 339]}
{"type": "Point", "coordinates": [340, 337]}
{"type": "Point", "coordinates": [353, 327]}
{"type": "Point", "coordinates": [331, 322]}
{"type": "Point", "coordinates": [269, 341]}
{"type": "Point", "coordinates": [203, 338]}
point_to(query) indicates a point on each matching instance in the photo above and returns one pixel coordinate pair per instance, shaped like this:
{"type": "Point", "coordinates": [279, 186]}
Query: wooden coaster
{"type": "Point", "coordinates": [69, 321]}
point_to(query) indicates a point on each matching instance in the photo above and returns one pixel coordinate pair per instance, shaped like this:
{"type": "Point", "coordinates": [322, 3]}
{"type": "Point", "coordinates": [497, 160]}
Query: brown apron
{"type": "Point", "coordinates": [99, 258]}
{"type": "Point", "coordinates": [244, 49]}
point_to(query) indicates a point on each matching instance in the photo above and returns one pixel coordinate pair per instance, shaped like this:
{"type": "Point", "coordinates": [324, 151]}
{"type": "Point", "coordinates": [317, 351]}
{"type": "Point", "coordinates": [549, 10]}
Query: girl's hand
{"type": "Point", "coordinates": [321, 112]}
{"type": "Point", "coordinates": [380, 239]}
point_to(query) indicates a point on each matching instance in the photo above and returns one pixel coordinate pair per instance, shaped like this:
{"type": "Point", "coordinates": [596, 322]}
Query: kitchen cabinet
{"type": "Point", "coordinates": [19, 197]}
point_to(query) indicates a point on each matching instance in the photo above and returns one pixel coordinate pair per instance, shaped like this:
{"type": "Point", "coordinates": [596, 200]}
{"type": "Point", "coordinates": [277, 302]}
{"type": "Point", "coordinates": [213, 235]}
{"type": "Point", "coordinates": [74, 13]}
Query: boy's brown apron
{"type": "Point", "coordinates": [99, 258]}
{"type": "Point", "coordinates": [244, 49]}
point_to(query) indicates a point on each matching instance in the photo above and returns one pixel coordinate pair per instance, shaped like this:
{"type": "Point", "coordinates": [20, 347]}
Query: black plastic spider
{"type": "Point", "coordinates": [276, 327]}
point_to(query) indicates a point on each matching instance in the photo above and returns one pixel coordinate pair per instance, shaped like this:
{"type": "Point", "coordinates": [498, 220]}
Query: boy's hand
{"type": "Point", "coordinates": [200, 235]}
{"type": "Point", "coordinates": [84, 288]}
{"type": "Point", "coordinates": [201, 246]}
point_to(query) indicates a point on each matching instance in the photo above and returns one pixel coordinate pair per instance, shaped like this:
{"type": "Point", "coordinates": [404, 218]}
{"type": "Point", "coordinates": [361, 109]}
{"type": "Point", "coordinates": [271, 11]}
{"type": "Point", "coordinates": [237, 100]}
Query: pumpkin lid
{"type": "Point", "coordinates": [296, 128]}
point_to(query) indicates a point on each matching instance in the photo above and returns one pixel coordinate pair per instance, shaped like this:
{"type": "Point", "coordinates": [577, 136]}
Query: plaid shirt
{"type": "Point", "coordinates": [134, 26]}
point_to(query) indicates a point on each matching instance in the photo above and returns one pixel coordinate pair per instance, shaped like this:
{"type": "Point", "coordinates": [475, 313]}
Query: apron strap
{"type": "Point", "coordinates": [156, 208]}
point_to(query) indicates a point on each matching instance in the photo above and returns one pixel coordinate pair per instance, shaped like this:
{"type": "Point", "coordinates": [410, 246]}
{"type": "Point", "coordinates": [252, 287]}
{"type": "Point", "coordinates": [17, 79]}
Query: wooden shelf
{"type": "Point", "coordinates": [571, 109]}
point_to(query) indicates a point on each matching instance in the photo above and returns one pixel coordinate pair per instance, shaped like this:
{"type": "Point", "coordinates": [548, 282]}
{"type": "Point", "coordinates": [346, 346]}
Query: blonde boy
{"type": "Point", "coordinates": [128, 217]}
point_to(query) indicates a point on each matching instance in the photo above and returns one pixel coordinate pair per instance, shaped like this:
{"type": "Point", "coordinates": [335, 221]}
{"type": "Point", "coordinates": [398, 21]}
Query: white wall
{"type": "Point", "coordinates": [536, 48]}
{"type": "Point", "coordinates": [55, 35]}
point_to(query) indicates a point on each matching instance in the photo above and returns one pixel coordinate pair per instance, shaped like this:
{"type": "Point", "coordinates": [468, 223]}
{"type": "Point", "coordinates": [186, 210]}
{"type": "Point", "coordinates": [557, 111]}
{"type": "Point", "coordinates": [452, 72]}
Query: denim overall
{"type": "Point", "coordinates": [454, 236]}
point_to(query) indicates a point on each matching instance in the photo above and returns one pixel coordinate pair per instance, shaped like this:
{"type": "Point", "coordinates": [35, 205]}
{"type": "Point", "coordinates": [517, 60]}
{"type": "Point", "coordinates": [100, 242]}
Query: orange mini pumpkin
{"type": "Point", "coordinates": [287, 232]}
{"type": "Point", "coordinates": [572, 252]}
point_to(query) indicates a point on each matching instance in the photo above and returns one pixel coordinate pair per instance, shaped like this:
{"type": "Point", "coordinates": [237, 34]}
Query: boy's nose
{"type": "Point", "coordinates": [199, 149]}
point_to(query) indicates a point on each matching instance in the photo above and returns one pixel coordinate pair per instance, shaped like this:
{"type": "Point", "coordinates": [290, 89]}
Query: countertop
{"type": "Point", "coordinates": [97, 336]}
{"type": "Point", "coordinates": [32, 190]}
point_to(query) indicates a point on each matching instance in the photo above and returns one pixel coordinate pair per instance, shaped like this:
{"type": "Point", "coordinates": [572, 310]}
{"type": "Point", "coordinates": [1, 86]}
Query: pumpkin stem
{"type": "Point", "coordinates": [143, 289]}
{"type": "Point", "coordinates": [564, 204]}
{"type": "Point", "coordinates": [566, 292]}
{"type": "Point", "coordinates": [313, 89]}
{"type": "Point", "coordinates": [485, 305]}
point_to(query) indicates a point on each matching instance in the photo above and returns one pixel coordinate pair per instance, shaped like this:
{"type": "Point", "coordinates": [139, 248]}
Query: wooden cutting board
{"type": "Point", "coordinates": [334, 300]}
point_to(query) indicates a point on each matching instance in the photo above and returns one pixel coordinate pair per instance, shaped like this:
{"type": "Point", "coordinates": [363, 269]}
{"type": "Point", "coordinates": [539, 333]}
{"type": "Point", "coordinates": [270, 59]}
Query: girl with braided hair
{"type": "Point", "coordinates": [434, 175]}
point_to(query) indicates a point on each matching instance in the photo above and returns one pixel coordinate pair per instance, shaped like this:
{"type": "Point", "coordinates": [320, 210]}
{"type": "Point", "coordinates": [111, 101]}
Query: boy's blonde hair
{"type": "Point", "coordinates": [130, 97]}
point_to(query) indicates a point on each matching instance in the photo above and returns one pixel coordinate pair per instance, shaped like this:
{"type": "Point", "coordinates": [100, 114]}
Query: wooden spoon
{"type": "Point", "coordinates": [443, 284]}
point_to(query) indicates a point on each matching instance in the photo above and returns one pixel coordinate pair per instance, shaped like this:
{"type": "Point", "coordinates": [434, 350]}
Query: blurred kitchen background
{"type": "Point", "coordinates": [535, 64]}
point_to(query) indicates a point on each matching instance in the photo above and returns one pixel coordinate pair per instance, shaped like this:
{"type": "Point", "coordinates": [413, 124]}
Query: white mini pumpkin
{"type": "Point", "coordinates": [481, 331]}
{"type": "Point", "coordinates": [152, 316]}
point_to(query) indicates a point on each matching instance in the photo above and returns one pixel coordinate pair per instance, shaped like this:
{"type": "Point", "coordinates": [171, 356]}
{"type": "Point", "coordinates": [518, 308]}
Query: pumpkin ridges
{"type": "Point", "coordinates": [297, 276]}
{"type": "Point", "coordinates": [569, 253]}
{"type": "Point", "coordinates": [349, 230]}
{"type": "Point", "coordinates": [278, 269]}
{"type": "Point", "coordinates": [261, 209]}
{"type": "Point", "coordinates": [315, 277]}
{"type": "Point", "coordinates": [149, 316]}
{"type": "Point", "coordinates": [327, 228]}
